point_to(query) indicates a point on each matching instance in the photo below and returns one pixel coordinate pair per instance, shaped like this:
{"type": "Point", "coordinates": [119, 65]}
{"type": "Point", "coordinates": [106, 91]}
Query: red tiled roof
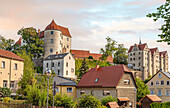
{"type": "Point", "coordinates": [9, 54]}
{"type": "Point", "coordinates": [163, 52]}
{"type": "Point", "coordinates": [107, 76]}
{"type": "Point", "coordinates": [153, 50]}
{"type": "Point", "coordinates": [41, 34]}
{"type": "Point", "coordinates": [19, 42]}
{"type": "Point", "coordinates": [54, 26]}
{"type": "Point", "coordinates": [124, 99]}
{"type": "Point", "coordinates": [113, 104]}
{"type": "Point", "coordinates": [153, 98]}
{"type": "Point", "coordinates": [83, 53]}
{"type": "Point", "coordinates": [141, 47]}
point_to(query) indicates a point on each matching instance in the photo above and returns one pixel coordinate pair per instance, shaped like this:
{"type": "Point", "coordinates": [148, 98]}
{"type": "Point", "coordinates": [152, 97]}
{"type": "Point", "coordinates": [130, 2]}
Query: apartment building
{"type": "Point", "coordinates": [147, 60]}
{"type": "Point", "coordinates": [159, 85]}
{"type": "Point", "coordinates": [11, 69]}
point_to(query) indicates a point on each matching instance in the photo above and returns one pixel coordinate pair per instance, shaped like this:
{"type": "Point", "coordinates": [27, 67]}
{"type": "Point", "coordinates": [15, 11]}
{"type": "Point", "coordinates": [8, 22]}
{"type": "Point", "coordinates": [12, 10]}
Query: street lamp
{"type": "Point", "coordinates": [48, 73]}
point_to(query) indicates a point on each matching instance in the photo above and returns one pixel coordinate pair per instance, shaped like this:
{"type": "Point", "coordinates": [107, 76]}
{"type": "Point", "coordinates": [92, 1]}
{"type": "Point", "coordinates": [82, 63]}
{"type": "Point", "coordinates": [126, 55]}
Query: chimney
{"type": "Point", "coordinates": [97, 67]}
{"type": "Point", "coordinates": [56, 53]}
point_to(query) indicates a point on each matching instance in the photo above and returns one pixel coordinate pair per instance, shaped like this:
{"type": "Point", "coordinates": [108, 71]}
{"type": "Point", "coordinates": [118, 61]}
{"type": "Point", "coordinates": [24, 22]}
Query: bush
{"type": "Point", "coordinates": [5, 91]}
{"type": "Point", "coordinates": [160, 105]}
{"type": "Point", "coordinates": [7, 99]}
{"type": "Point", "coordinates": [89, 101]}
{"type": "Point", "coordinates": [107, 99]}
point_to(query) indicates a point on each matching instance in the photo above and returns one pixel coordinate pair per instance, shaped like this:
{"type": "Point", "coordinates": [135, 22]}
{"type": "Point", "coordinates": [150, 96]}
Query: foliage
{"type": "Point", "coordinates": [121, 55]}
{"type": "Point", "coordinates": [5, 91]}
{"type": "Point", "coordinates": [33, 45]}
{"type": "Point", "coordinates": [28, 74]}
{"type": "Point", "coordinates": [102, 106]}
{"type": "Point", "coordinates": [89, 101]}
{"type": "Point", "coordinates": [6, 44]}
{"type": "Point", "coordinates": [160, 105]}
{"type": "Point", "coordinates": [142, 89]}
{"type": "Point", "coordinates": [107, 99]}
{"type": "Point", "coordinates": [83, 69]}
{"type": "Point", "coordinates": [90, 57]}
{"type": "Point", "coordinates": [163, 13]}
{"type": "Point", "coordinates": [7, 99]}
{"type": "Point", "coordinates": [110, 48]}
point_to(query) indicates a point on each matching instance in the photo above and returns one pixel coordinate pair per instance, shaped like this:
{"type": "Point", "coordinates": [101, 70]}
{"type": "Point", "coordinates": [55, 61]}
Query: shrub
{"type": "Point", "coordinates": [5, 91]}
{"type": "Point", "coordinates": [89, 101]}
{"type": "Point", "coordinates": [107, 99]}
{"type": "Point", "coordinates": [7, 99]}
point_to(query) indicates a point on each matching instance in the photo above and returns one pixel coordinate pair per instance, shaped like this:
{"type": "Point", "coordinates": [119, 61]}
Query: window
{"type": "Point", "coordinates": [167, 92]}
{"type": "Point", "coordinates": [57, 89]}
{"type": "Point", "coordinates": [92, 92]}
{"type": "Point", "coordinates": [12, 84]}
{"type": "Point", "coordinates": [53, 64]}
{"type": "Point", "coordinates": [157, 82]}
{"type": "Point", "coordinates": [72, 69]}
{"type": "Point", "coordinates": [133, 53]}
{"type": "Point", "coordinates": [5, 83]}
{"type": "Point", "coordinates": [96, 80]}
{"type": "Point", "coordinates": [3, 64]}
{"type": "Point", "coordinates": [151, 83]}
{"type": "Point", "coordinates": [69, 58]}
{"type": "Point", "coordinates": [67, 64]}
{"type": "Point", "coordinates": [51, 50]}
{"type": "Point", "coordinates": [58, 64]}
{"type": "Point", "coordinates": [15, 66]}
{"type": "Point", "coordinates": [133, 58]}
{"type": "Point", "coordinates": [66, 72]}
{"type": "Point", "coordinates": [139, 58]}
{"type": "Point", "coordinates": [159, 75]}
{"type": "Point", "coordinates": [82, 92]}
{"type": "Point", "coordinates": [47, 65]}
{"type": "Point", "coordinates": [139, 53]}
{"type": "Point", "coordinates": [151, 92]}
{"type": "Point", "coordinates": [159, 92]}
{"type": "Point", "coordinates": [162, 82]}
{"type": "Point", "coordinates": [167, 83]}
{"type": "Point", "coordinates": [61, 37]}
{"type": "Point", "coordinates": [69, 89]}
{"type": "Point", "coordinates": [67, 39]}
{"type": "Point", "coordinates": [127, 82]}
{"type": "Point", "coordinates": [67, 46]}
{"type": "Point", "coordinates": [52, 41]}
{"type": "Point", "coordinates": [130, 59]}
{"type": "Point", "coordinates": [106, 93]}
{"type": "Point", "coordinates": [58, 72]}
{"type": "Point", "coordinates": [139, 64]}
{"type": "Point", "coordinates": [52, 32]}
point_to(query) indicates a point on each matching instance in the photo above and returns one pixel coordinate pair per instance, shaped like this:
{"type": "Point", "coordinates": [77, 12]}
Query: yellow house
{"type": "Point", "coordinates": [159, 85]}
{"type": "Point", "coordinates": [11, 69]}
{"type": "Point", "coordinates": [65, 86]}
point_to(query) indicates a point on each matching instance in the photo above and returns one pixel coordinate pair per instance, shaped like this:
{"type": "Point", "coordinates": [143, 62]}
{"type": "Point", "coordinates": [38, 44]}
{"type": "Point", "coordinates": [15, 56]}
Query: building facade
{"type": "Point", "coordinates": [11, 69]}
{"type": "Point", "coordinates": [62, 64]}
{"type": "Point", "coordinates": [111, 80]}
{"type": "Point", "coordinates": [159, 85]}
{"type": "Point", "coordinates": [147, 60]}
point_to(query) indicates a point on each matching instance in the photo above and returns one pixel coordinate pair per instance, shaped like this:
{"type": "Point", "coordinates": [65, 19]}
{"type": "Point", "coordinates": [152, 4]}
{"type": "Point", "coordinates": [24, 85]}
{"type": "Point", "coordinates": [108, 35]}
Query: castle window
{"type": "Point", "coordinates": [106, 93]}
{"type": "Point", "coordinates": [69, 89]}
{"type": "Point", "coordinates": [5, 83]}
{"type": "Point", "coordinates": [66, 72]}
{"type": "Point", "coordinates": [52, 41]}
{"type": "Point", "coordinates": [51, 50]}
{"type": "Point", "coordinates": [12, 84]}
{"type": "Point", "coordinates": [159, 92]}
{"type": "Point", "coordinates": [3, 64]}
{"type": "Point", "coordinates": [58, 72]}
{"type": "Point", "coordinates": [151, 92]}
{"type": "Point", "coordinates": [58, 64]}
{"type": "Point", "coordinates": [167, 83]}
{"type": "Point", "coordinates": [53, 64]}
{"type": "Point", "coordinates": [61, 37]}
{"type": "Point", "coordinates": [67, 46]}
{"type": "Point", "coordinates": [47, 65]}
{"type": "Point", "coordinates": [167, 92]}
{"type": "Point", "coordinates": [67, 64]}
{"type": "Point", "coordinates": [67, 39]}
{"type": "Point", "coordinates": [151, 83]}
{"type": "Point", "coordinates": [51, 32]}
{"type": "Point", "coordinates": [162, 82]}
{"type": "Point", "coordinates": [157, 82]}
{"type": "Point", "coordinates": [82, 92]}
{"type": "Point", "coordinates": [15, 66]}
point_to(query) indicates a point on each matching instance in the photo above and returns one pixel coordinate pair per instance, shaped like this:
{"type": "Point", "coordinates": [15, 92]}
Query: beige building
{"type": "Point", "coordinates": [159, 85]}
{"type": "Point", "coordinates": [115, 80]}
{"type": "Point", "coordinates": [11, 69]}
{"type": "Point", "coordinates": [147, 60]}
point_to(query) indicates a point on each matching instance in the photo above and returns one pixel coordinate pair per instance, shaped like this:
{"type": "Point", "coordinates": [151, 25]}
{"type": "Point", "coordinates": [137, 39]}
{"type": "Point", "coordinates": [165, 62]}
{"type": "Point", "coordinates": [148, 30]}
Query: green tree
{"type": "Point", "coordinates": [5, 91]}
{"type": "Point", "coordinates": [110, 48]}
{"type": "Point", "coordinates": [107, 99]}
{"type": "Point", "coordinates": [83, 69]}
{"type": "Point", "coordinates": [89, 101]}
{"type": "Point", "coordinates": [28, 74]}
{"type": "Point", "coordinates": [142, 89]}
{"type": "Point", "coordinates": [121, 55]}
{"type": "Point", "coordinates": [33, 45]}
{"type": "Point", "coordinates": [163, 13]}
{"type": "Point", "coordinates": [6, 44]}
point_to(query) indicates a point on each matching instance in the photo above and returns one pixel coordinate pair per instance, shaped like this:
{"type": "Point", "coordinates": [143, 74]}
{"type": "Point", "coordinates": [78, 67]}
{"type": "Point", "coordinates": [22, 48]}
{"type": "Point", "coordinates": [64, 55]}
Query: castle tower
{"type": "Point", "coordinates": [57, 39]}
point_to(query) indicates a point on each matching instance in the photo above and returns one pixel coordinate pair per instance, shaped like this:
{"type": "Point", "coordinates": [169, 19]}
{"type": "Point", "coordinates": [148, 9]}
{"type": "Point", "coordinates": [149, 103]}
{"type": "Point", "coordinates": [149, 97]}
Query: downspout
{"type": "Point", "coordinates": [10, 72]}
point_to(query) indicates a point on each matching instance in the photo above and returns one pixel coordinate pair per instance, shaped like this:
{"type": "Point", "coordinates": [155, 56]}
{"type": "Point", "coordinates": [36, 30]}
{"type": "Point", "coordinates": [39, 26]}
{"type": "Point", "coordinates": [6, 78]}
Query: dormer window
{"type": "Point", "coordinates": [96, 80]}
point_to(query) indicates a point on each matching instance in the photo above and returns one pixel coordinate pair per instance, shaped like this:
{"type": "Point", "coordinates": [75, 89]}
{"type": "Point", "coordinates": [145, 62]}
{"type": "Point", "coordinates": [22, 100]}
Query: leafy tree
{"type": "Point", "coordinates": [110, 48]}
{"type": "Point", "coordinates": [83, 69]}
{"type": "Point", "coordinates": [33, 45]}
{"type": "Point", "coordinates": [5, 91]}
{"type": "Point", "coordinates": [107, 99]}
{"type": "Point", "coordinates": [163, 13]}
{"type": "Point", "coordinates": [28, 74]}
{"type": "Point", "coordinates": [90, 57]}
{"type": "Point", "coordinates": [142, 89]}
{"type": "Point", "coordinates": [89, 101]}
{"type": "Point", "coordinates": [121, 55]}
{"type": "Point", "coordinates": [6, 44]}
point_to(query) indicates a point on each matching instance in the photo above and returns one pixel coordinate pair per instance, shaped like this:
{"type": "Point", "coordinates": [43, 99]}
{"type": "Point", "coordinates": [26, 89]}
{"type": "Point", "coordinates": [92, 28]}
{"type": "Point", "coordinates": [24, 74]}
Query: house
{"type": "Point", "coordinates": [112, 105]}
{"type": "Point", "coordinates": [148, 99]}
{"type": "Point", "coordinates": [116, 81]}
{"type": "Point", "coordinates": [159, 85]}
{"type": "Point", "coordinates": [85, 54]}
{"type": "Point", "coordinates": [62, 64]}
{"type": "Point", "coordinates": [65, 86]}
{"type": "Point", "coordinates": [148, 60]}
{"type": "Point", "coordinates": [11, 69]}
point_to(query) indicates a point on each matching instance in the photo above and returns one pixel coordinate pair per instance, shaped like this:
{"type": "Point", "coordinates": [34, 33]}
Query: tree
{"type": "Point", "coordinates": [89, 101]}
{"type": "Point", "coordinates": [33, 45]}
{"type": "Point", "coordinates": [28, 74]}
{"type": "Point", "coordinates": [142, 89]}
{"type": "Point", "coordinates": [6, 44]}
{"type": "Point", "coordinates": [5, 91]}
{"type": "Point", "coordinates": [107, 99]}
{"type": "Point", "coordinates": [110, 48]}
{"type": "Point", "coordinates": [83, 69]}
{"type": "Point", "coordinates": [163, 13]}
{"type": "Point", "coordinates": [121, 55]}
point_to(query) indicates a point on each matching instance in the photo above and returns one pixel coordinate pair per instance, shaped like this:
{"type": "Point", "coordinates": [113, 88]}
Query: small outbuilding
{"type": "Point", "coordinates": [148, 99]}
{"type": "Point", "coordinates": [112, 105]}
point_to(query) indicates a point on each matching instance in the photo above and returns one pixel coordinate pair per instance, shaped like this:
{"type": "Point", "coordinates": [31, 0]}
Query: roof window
{"type": "Point", "coordinates": [96, 80]}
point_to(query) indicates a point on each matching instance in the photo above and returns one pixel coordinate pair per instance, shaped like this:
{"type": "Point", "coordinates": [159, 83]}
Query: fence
{"type": "Point", "coordinates": [14, 105]}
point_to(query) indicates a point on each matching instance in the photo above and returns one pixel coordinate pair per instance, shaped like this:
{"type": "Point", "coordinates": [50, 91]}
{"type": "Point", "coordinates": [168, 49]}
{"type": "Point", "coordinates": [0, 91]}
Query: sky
{"type": "Point", "coordinates": [89, 21]}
